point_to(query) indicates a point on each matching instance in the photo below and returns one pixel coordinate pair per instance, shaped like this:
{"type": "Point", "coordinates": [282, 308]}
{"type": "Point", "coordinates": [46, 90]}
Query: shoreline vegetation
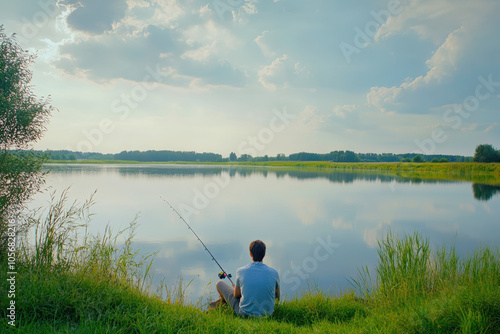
{"type": "Point", "coordinates": [71, 282]}
{"type": "Point", "coordinates": [484, 173]}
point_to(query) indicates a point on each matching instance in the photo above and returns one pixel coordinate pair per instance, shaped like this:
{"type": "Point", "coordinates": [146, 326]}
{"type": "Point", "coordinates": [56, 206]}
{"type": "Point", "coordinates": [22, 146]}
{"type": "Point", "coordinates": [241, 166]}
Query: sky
{"type": "Point", "coordinates": [264, 76]}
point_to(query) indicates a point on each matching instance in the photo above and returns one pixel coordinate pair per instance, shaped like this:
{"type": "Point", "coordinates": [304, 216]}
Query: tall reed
{"type": "Point", "coordinates": [409, 269]}
{"type": "Point", "coordinates": [59, 240]}
{"type": "Point", "coordinates": [404, 266]}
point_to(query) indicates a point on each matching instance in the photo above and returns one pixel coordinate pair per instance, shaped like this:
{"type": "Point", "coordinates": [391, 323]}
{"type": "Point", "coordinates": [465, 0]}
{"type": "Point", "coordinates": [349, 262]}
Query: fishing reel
{"type": "Point", "coordinates": [223, 275]}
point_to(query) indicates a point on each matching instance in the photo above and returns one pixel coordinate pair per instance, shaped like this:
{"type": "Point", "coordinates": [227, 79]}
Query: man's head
{"type": "Point", "coordinates": [257, 250]}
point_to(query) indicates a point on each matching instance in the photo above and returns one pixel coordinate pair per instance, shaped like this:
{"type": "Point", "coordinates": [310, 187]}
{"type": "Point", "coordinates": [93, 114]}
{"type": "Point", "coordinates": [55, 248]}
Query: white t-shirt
{"type": "Point", "coordinates": [258, 284]}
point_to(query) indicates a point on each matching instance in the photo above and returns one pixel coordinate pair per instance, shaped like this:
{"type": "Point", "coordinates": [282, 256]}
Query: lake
{"type": "Point", "coordinates": [319, 225]}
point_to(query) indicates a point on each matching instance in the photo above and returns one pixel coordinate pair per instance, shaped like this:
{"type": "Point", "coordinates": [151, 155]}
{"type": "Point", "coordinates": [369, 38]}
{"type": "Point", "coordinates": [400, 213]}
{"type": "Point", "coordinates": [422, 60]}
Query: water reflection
{"type": "Point", "coordinates": [483, 192]}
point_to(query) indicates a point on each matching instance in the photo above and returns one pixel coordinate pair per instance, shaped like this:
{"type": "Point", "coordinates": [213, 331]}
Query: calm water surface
{"type": "Point", "coordinates": [319, 226]}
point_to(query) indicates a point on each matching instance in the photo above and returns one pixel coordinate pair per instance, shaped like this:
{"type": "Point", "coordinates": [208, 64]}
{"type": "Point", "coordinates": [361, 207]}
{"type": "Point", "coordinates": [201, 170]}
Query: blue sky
{"type": "Point", "coordinates": [264, 76]}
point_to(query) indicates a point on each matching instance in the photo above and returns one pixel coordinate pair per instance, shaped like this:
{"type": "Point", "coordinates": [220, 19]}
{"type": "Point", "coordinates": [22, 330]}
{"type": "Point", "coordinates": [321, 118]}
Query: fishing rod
{"type": "Point", "coordinates": [223, 274]}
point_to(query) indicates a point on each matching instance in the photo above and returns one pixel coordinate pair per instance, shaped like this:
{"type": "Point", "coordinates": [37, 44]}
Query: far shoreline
{"type": "Point", "coordinates": [487, 173]}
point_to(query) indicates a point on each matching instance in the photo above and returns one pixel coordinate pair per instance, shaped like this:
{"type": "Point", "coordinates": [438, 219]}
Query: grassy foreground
{"type": "Point", "coordinates": [92, 286]}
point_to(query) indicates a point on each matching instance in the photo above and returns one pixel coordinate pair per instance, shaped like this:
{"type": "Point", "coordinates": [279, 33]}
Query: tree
{"type": "Point", "coordinates": [486, 153]}
{"type": "Point", "coordinates": [245, 157]}
{"type": "Point", "coordinates": [23, 119]}
{"type": "Point", "coordinates": [418, 158]}
{"type": "Point", "coordinates": [232, 156]}
{"type": "Point", "coordinates": [350, 156]}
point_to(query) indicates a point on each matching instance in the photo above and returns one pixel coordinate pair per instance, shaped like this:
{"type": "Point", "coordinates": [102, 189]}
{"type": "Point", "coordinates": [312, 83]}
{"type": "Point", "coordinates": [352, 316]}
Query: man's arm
{"type": "Point", "coordinates": [277, 292]}
{"type": "Point", "coordinates": [237, 291]}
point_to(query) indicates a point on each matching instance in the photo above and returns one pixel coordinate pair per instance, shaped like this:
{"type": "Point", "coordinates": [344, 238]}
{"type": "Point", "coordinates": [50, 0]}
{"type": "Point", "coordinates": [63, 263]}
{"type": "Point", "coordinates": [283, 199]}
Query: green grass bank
{"type": "Point", "coordinates": [71, 282]}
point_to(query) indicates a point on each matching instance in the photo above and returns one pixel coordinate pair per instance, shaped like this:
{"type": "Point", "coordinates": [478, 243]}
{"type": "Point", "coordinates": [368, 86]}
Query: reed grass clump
{"type": "Point", "coordinates": [408, 268]}
{"type": "Point", "coordinates": [58, 241]}
{"type": "Point", "coordinates": [445, 293]}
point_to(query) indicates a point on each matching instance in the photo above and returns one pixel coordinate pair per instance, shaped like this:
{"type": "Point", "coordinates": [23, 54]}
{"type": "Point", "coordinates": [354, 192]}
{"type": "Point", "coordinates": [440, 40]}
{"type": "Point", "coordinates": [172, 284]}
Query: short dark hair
{"type": "Point", "coordinates": [258, 250]}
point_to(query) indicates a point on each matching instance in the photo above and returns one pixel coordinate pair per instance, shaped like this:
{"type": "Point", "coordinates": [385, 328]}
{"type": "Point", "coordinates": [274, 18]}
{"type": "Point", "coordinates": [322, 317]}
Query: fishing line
{"type": "Point", "coordinates": [223, 274]}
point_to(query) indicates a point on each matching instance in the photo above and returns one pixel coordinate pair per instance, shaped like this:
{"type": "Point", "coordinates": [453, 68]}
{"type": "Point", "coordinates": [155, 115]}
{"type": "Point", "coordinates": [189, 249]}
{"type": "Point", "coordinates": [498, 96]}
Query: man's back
{"type": "Point", "coordinates": [258, 283]}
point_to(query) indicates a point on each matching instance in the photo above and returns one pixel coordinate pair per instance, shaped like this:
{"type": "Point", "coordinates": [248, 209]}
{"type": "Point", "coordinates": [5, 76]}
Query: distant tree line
{"type": "Point", "coordinates": [483, 153]}
{"type": "Point", "coordinates": [336, 156]}
{"type": "Point", "coordinates": [190, 156]}
{"type": "Point", "coordinates": [159, 156]}
{"type": "Point", "coordinates": [349, 156]}
{"type": "Point", "coordinates": [141, 156]}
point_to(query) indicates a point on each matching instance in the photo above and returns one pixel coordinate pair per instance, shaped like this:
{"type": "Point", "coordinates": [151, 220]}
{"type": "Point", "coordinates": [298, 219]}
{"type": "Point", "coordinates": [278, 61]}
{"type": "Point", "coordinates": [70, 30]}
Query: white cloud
{"type": "Point", "coordinates": [205, 11]}
{"type": "Point", "coordinates": [166, 12]}
{"type": "Point", "coordinates": [219, 38]}
{"type": "Point", "coordinates": [471, 127]}
{"type": "Point", "coordinates": [310, 118]}
{"type": "Point", "coordinates": [201, 54]}
{"type": "Point", "coordinates": [443, 63]}
{"type": "Point", "coordinates": [371, 235]}
{"type": "Point", "coordinates": [308, 211]}
{"type": "Point", "coordinates": [248, 7]}
{"type": "Point", "coordinates": [142, 14]}
{"type": "Point", "coordinates": [259, 40]}
{"type": "Point", "coordinates": [339, 224]}
{"type": "Point", "coordinates": [340, 111]}
{"type": "Point", "coordinates": [434, 19]}
{"type": "Point", "coordinates": [491, 127]}
{"type": "Point", "coordinates": [462, 32]}
{"type": "Point", "coordinates": [381, 97]}
{"type": "Point", "coordinates": [301, 70]}
{"type": "Point", "coordinates": [267, 73]}
{"type": "Point", "coordinates": [137, 3]}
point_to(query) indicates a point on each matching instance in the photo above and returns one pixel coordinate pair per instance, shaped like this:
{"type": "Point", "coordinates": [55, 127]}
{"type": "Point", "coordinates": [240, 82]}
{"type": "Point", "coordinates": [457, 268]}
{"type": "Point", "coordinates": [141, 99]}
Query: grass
{"type": "Point", "coordinates": [71, 282]}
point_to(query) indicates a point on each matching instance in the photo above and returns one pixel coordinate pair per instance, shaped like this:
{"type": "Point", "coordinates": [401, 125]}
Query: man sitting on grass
{"type": "Point", "coordinates": [256, 288]}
